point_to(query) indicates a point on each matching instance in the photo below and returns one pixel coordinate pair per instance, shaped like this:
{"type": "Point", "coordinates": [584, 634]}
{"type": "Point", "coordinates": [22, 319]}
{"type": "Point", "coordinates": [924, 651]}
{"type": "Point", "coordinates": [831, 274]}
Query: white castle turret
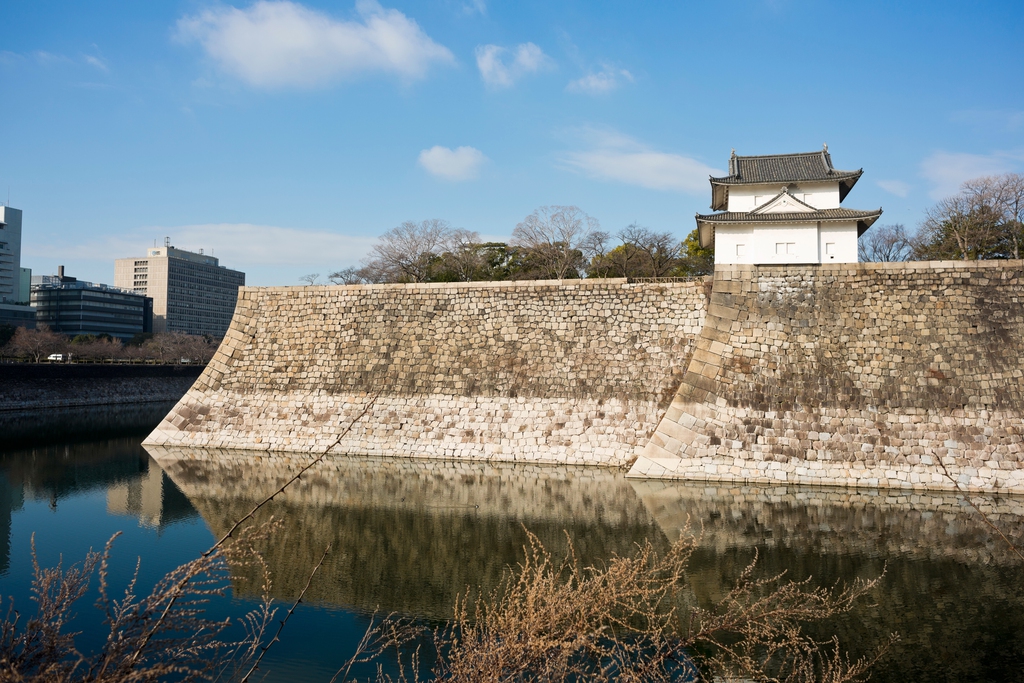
{"type": "Point", "coordinates": [783, 208]}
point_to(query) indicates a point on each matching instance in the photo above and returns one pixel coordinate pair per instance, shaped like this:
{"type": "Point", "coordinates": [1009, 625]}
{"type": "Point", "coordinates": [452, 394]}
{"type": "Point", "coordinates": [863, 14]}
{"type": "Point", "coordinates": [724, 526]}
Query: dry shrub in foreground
{"type": "Point", "coordinates": [161, 636]}
{"type": "Point", "coordinates": [635, 619]}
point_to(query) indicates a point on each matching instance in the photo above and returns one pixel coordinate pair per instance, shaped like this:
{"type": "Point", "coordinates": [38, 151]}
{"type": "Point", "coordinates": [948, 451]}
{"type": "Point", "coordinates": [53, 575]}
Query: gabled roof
{"type": "Point", "coordinates": [784, 201]}
{"type": "Point", "coordinates": [781, 168]}
{"type": "Point", "coordinates": [706, 222]}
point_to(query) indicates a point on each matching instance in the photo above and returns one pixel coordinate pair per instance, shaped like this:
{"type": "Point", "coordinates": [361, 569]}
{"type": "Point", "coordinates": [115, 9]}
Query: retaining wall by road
{"type": "Point", "coordinates": [26, 386]}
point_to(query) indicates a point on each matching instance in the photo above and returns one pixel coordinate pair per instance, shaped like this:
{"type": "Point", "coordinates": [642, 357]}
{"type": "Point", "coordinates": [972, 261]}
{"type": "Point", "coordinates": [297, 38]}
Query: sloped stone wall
{"type": "Point", "coordinates": [573, 372]}
{"type": "Point", "coordinates": [857, 374]}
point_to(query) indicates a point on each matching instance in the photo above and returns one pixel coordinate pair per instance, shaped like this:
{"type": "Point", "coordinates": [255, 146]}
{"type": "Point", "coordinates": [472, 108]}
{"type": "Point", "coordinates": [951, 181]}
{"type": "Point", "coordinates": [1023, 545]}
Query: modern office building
{"type": "Point", "coordinates": [192, 293]}
{"type": "Point", "coordinates": [73, 307]}
{"type": "Point", "coordinates": [13, 298]}
{"type": "Point", "coordinates": [10, 255]}
{"type": "Point", "coordinates": [25, 286]}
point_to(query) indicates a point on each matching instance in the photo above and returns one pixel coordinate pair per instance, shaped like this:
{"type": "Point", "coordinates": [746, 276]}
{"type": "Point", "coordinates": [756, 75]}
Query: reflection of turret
{"type": "Point", "coordinates": [408, 536]}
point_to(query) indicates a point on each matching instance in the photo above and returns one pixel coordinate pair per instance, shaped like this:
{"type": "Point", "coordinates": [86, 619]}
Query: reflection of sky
{"type": "Point", "coordinates": [73, 497]}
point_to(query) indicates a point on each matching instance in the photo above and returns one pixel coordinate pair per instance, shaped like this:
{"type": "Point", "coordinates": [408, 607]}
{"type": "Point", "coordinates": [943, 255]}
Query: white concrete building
{"type": "Point", "coordinates": [10, 255]}
{"type": "Point", "coordinates": [783, 208]}
{"type": "Point", "coordinates": [192, 293]}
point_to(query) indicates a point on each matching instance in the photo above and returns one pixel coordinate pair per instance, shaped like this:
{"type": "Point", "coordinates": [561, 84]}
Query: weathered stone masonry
{"type": "Point", "coordinates": [859, 375]}
{"type": "Point", "coordinates": [854, 374]}
{"type": "Point", "coordinates": [574, 372]}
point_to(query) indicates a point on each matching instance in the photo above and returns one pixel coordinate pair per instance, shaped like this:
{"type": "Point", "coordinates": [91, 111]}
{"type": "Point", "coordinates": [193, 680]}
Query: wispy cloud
{"type": "Point", "coordinates": [600, 82]}
{"type": "Point", "coordinates": [1002, 119]}
{"type": "Point", "coordinates": [50, 58]}
{"type": "Point", "coordinates": [237, 244]}
{"type": "Point", "coordinates": [501, 67]}
{"type": "Point", "coordinates": [462, 163]}
{"type": "Point", "coordinates": [896, 187]}
{"type": "Point", "coordinates": [617, 157]}
{"type": "Point", "coordinates": [947, 171]}
{"type": "Point", "coordinates": [96, 62]}
{"type": "Point", "coordinates": [276, 43]}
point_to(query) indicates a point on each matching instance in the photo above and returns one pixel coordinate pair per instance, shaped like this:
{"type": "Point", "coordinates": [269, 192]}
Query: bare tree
{"type": "Point", "coordinates": [407, 252]}
{"type": "Point", "coordinates": [964, 226]}
{"type": "Point", "coordinates": [310, 279]}
{"type": "Point", "coordinates": [1004, 196]}
{"type": "Point", "coordinates": [462, 254]}
{"type": "Point", "coordinates": [347, 276]}
{"type": "Point", "coordinates": [885, 243]}
{"type": "Point", "coordinates": [38, 343]}
{"type": "Point", "coordinates": [558, 239]}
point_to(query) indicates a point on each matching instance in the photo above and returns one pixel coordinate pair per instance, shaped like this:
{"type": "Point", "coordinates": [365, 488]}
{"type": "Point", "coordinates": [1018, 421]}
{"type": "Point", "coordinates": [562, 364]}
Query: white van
{"type": "Point", "coordinates": [56, 357]}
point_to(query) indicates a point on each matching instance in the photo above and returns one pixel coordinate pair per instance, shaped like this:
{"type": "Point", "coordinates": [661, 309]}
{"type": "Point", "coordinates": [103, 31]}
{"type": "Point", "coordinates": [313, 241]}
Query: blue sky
{"type": "Point", "coordinates": [286, 136]}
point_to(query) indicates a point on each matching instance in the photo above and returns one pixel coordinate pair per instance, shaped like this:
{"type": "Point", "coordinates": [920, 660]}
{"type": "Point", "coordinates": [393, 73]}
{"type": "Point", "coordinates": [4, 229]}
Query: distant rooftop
{"type": "Point", "coordinates": [65, 282]}
{"type": "Point", "coordinates": [173, 252]}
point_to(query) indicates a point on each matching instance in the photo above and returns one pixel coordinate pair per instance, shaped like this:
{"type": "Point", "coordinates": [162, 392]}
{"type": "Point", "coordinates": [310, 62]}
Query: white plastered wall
{"type": "Point", "coordinates": [837, 242]}
{"type": "Point", "coordinates": [768, 244]}
{"type": "Point", "coordinates": [818, 195]}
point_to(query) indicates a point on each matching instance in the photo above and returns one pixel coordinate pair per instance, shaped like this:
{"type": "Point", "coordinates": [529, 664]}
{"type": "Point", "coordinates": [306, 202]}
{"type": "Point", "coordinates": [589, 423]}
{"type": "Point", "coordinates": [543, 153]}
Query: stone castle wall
{"type": "Point", "coordinates": [869, 375]}
{"type": "Point", "coordinates": [573, 372]}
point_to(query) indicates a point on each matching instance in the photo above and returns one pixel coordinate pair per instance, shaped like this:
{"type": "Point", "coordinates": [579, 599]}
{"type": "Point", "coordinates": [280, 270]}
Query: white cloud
{"type": "Point", "coordinates": [601, 82]}
{"type": "Point", "coordinates": [948, 170]}
{"type": "Point", "coordinates": [462, 163]}
{"type": "Point", "coordinates": [276, 43]}
{"type": "Point", "coordinates": [896, 187]}
{"type": "Point", "coordinates": [613, 156]}
{"type": "Point", "coordinates": [498, 71]}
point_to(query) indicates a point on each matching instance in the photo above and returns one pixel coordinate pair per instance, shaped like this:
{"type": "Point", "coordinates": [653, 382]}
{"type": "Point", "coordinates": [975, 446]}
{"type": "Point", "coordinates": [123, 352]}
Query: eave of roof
{"type": "Point", "coordinates": [706, 222]}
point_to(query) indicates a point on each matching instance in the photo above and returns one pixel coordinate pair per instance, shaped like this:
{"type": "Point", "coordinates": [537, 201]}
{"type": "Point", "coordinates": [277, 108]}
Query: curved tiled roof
{"type": "Point", "coordinates": [782, 168]}
{"type": "Point", "coordinates": [707, 222]}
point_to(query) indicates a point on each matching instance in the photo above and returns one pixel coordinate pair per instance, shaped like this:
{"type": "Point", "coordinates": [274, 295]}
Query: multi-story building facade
{"type": "Point", "coordinates": [73, 307]}
{"type": "Point", "coordinates": [10, 255]}
{"type": "Point", "coordinates": [13, 294]}
{"type": "Point", "coordinates": [192, 293]}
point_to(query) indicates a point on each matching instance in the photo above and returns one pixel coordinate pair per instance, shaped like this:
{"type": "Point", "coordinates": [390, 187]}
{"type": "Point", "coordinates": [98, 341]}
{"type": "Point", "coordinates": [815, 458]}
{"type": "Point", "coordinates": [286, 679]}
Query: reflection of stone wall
{"type": "Point", "coordinates": [951, 588]}
{"type": "Point", "coordinates": [567, 372]}
{"type": "Point", "coordinates": [933, 525]}
{"type": "Point", "coordinates": [855, 374]}
{"type": "Point", "coordinates": [408, 535]}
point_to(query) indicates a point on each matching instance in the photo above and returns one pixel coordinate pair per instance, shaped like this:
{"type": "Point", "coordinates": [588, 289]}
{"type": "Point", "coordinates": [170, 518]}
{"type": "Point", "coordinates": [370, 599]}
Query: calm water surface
{"type": "Point", "coordinates": [409, 536]}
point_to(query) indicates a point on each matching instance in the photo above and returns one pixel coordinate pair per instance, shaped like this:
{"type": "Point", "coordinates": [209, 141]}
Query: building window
{"type": "Point", "coordinates": [741, 250]}
{"type": "Point", "coordinates": [785, 248]}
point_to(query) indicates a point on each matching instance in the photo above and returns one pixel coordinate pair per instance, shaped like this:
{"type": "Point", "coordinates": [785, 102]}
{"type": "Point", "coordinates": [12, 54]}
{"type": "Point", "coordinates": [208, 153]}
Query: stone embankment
{"type": "Point", "coordinates": [25, 386]}
{"type": "Point", "coordinates": [870, 375]}
{"type": "Point", "coordinates": [574, 372]}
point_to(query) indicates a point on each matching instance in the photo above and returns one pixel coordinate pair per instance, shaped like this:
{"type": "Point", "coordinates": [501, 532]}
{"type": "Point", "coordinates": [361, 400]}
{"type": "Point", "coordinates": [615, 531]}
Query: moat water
{"type": "Point", "coordinates": [409, 536]}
